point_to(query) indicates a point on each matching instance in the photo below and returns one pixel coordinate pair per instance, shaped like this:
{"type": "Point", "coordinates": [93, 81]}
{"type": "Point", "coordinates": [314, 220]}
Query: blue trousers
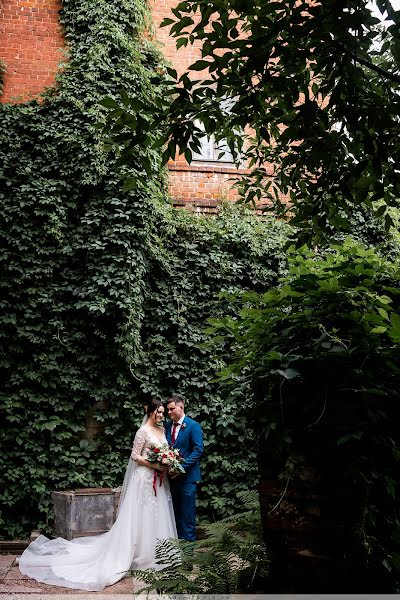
{"type": "Point", "coordinates": [184, 501]}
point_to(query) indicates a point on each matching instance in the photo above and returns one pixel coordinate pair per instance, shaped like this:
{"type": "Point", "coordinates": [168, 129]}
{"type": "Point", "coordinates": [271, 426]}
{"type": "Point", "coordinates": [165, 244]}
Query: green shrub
{"type": "Point", "coordinates": [322, 353]}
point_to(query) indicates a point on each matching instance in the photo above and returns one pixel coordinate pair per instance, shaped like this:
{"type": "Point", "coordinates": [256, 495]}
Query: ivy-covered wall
{"type": "Point", "coordinates": [103, 293]}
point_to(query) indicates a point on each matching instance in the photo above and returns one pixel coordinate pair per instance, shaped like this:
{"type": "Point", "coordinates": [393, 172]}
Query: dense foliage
{"type": "Point", "coordinates": [316, 85]}
{"type": "Point", "coordinates": [321, 354]}
{"type": "Point", "coordinates": [303, 80]}
{"type": "Point", "coordinates": [71, 265]}
{"type": "Point", "coordinates": [104, 293]}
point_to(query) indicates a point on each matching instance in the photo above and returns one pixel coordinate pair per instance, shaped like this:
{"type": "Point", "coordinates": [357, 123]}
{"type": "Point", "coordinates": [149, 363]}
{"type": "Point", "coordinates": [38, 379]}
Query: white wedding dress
{"type": "Point", "coordinates": [92, 563]}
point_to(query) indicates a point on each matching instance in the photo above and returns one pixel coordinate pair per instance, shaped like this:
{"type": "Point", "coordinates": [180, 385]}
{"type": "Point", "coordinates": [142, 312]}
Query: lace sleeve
{"type": "Point", "coordinates": [139, 441]}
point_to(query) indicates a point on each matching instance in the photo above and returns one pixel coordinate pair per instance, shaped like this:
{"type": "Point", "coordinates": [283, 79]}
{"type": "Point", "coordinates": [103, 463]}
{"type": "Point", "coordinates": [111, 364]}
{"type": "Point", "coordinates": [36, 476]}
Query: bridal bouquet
{"type": "Point", "coordinates": [164, 455]}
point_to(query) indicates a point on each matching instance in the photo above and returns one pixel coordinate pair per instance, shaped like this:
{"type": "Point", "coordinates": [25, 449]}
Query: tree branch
{"type": "Point", "coordinates": [387, 74]}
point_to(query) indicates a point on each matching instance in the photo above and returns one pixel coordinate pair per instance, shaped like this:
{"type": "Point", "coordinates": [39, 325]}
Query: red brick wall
{"type": "Point", "coordinates": [201, 185]}
{"type": "Point", "coordinates": [182, 58]}
{"type": "Point", "coordinates": [30, 46]}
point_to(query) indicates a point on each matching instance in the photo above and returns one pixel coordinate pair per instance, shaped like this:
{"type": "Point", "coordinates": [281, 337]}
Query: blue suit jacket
{"type": "Point", "coordinates": [189, 442]}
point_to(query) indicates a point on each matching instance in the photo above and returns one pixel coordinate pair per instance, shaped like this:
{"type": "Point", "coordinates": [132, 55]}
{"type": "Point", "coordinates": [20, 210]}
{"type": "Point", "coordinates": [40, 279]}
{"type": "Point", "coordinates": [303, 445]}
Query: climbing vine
{"type": "Point", "coordinates": [2, 72]}
{"type": "Point", "coordinates": [104, 292]}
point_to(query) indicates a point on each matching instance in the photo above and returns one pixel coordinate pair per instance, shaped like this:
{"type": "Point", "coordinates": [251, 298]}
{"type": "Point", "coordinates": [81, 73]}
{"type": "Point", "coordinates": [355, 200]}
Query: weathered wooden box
{"type": "Point", "coordinates": [83, 512]}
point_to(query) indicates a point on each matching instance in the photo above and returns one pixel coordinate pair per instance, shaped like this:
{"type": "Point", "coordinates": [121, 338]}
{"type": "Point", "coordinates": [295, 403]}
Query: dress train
{"type": "Point", "coordinates": [94, 562]}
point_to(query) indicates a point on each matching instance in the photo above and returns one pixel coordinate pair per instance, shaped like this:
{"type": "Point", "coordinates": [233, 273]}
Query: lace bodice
{"type": "Point", "coordinates": [144, 439]}
{"type": "Point", "coordinates": [150, 478]}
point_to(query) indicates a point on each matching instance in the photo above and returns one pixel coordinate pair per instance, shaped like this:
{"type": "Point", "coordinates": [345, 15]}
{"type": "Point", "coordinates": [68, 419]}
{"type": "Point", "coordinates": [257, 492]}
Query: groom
{"type": "Point", "coordinates": [186, 435]}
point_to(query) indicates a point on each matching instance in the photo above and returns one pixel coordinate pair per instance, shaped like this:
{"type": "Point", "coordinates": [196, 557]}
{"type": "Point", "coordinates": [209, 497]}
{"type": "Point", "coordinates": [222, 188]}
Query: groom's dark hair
{"type": "Point", "coordinates": [177, 399]}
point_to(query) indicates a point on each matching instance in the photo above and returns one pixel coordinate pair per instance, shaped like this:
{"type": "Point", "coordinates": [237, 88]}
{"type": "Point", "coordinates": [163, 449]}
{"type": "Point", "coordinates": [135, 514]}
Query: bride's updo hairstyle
{"type": "Point", "coordinates": [153, 405]}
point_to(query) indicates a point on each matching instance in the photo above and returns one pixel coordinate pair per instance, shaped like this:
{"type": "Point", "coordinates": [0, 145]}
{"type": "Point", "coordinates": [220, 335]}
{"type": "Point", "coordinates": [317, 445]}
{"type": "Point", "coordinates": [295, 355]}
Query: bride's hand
{"type": "Point", "coordinates": [138, 459]}
{"type": "Point", "coordinates": [160, 467]}
{"type": "Point", "coordinates": [142, 462]}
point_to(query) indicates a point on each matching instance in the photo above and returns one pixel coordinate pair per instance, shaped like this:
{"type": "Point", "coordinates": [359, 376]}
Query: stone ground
{"type": "Point", "coordinates": [16, 586]}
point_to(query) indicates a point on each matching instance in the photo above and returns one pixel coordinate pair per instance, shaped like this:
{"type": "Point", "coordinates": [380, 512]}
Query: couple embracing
{"type": "Point", "coordinates": [184, 434]}
{"type": "Point", "coordinates": [151, 508]}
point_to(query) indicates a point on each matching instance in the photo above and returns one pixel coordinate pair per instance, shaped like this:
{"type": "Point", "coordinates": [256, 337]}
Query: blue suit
{"type": "Point", "coordinates": [189, 442]}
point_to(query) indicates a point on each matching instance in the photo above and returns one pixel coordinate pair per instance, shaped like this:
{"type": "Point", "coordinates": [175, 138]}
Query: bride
{"type": "Point", "coordinates": [145, 515]}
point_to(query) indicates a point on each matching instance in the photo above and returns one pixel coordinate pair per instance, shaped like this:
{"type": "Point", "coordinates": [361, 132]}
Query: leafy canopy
{"type": "Point", "coordinates": [296, 90]}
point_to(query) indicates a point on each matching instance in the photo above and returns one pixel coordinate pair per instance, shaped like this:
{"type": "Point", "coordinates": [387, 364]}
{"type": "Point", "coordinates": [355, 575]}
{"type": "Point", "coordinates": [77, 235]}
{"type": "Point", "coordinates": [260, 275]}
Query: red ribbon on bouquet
{"type": "Point", "coordinates": [159, 474]}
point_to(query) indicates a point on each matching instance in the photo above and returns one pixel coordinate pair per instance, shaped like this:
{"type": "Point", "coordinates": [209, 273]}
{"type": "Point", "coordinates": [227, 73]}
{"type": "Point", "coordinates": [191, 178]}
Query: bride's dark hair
{"type": "Point", "coordinates": [152, 405]}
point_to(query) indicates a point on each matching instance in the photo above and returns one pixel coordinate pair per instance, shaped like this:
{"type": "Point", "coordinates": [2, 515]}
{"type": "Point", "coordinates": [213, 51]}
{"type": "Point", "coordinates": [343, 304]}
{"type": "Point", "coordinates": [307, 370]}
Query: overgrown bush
{"type": "Point", "coordinates": [322, 353]}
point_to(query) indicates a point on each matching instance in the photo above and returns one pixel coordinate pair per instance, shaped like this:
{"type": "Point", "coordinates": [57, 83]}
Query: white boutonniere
{"type": "Point", "coordinates": [183, 425]}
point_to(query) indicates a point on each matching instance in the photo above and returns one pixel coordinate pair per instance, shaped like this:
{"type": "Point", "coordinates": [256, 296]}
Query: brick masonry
{"type": "Point", "coordinates": [31, 45]}
{"type": "Point", "coordinates": [199, 182]}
